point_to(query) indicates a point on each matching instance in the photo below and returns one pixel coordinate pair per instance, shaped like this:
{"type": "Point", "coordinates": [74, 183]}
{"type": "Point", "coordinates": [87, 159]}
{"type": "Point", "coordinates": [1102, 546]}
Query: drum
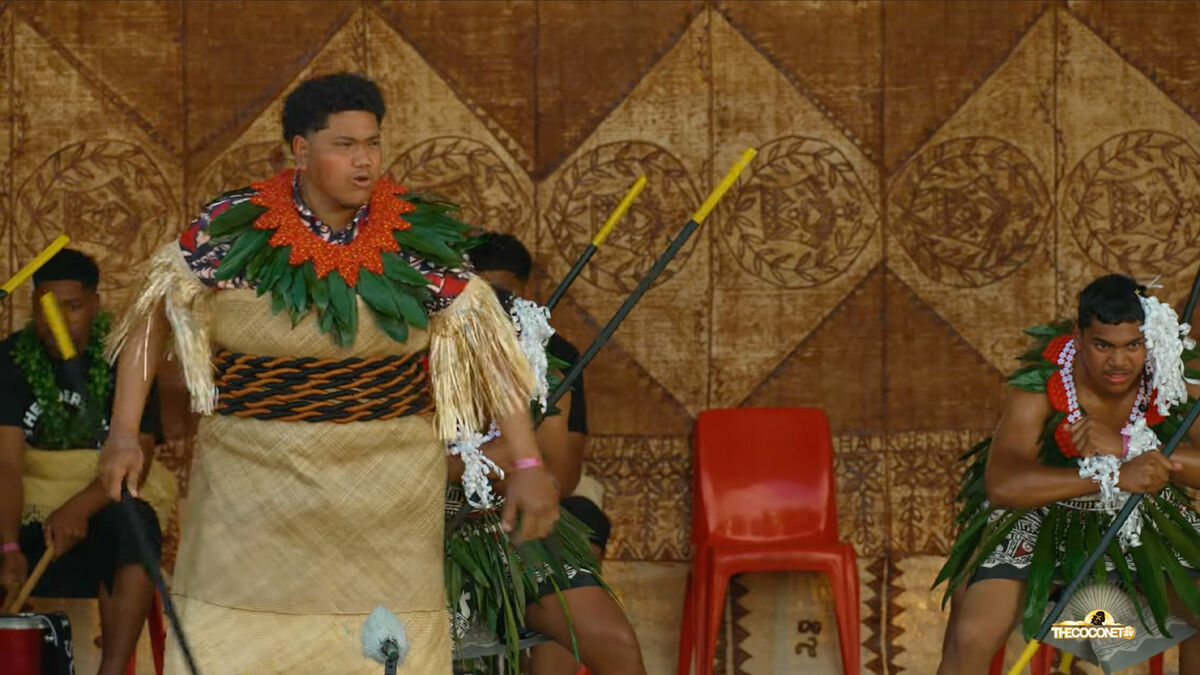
{"type": "Point", "coordinates": [22, 639]}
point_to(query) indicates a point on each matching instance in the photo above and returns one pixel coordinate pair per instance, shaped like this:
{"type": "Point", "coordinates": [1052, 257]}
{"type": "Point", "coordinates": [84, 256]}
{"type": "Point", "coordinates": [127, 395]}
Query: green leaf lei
{"type": "Point", "coordinates": [397, 297]}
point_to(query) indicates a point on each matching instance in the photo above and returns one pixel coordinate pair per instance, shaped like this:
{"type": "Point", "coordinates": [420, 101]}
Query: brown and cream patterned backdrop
{"type": "Point", "coordinates": [931, 177]}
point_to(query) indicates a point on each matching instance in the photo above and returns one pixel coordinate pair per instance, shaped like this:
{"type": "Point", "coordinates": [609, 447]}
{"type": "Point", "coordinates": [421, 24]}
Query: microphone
{"type": "Point", "coordinates": [384, 641]}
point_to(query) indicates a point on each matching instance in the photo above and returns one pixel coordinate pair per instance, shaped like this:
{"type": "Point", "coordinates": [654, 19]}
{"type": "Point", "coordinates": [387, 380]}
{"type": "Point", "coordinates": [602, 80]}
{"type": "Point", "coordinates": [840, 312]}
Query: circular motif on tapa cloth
{"type": "Point", "coordinates": [799, 216]}
{"type": "Point", "coordinates": [472, 175]}
{"type": "Point", "coordinates": [588, 189]}
{"type": "Point", "coordinates": [238, 168]}
{"type": "Point", "coordinates": [110, 198]}
{"type": "Point", "coordinates": [969, 211]}
{"type": "Point", "coordinates": [1132, 203]}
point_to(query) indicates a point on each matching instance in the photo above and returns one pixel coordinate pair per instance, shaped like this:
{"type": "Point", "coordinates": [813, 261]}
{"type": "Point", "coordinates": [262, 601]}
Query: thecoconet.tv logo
{"type": "Point", "coordinates": [1097, 624]}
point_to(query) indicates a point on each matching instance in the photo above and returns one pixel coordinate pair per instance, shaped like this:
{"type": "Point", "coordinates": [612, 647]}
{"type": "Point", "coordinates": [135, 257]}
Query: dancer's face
{"type": "Point", "coordinates": [342, 162]}
{"type": "Point", "coordinates": [1112, 354]}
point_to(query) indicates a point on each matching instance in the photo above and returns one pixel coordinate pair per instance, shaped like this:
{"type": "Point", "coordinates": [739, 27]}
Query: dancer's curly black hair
{"type": "Point", "coordinates": [308, 107]}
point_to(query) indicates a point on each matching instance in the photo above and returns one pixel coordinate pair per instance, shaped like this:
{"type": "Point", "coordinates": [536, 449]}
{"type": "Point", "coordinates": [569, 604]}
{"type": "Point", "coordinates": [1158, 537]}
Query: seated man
{"type": "Point", "coordinates": [507, 265]}
{"type": "Point", "coordinates": [49, 495]}
{"type": "Point", "coordinates": [1081, 431]}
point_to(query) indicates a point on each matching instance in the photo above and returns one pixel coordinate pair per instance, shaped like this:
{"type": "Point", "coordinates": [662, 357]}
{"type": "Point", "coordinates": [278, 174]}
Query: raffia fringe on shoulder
{"type": "Point", "coordinates": [476, 367]}
{"type": "Point", "coordinates": [187, 307]}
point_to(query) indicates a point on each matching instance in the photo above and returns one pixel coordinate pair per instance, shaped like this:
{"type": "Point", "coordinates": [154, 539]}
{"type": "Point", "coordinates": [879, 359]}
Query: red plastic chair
{"type": "Point", "coordinates": [763, 499]}
{"type": "Point", "coordinates": [1045, 654]}
{"type": "Point", "coordinates": [158, 639]}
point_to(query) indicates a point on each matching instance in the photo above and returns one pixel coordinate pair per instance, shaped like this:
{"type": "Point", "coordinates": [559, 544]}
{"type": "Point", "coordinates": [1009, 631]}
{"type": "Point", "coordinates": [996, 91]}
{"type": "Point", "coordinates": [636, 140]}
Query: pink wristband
{"type": "Point", "coordinates": [527, 462]}
{"type": "Point", "coordinates": [10, 547]}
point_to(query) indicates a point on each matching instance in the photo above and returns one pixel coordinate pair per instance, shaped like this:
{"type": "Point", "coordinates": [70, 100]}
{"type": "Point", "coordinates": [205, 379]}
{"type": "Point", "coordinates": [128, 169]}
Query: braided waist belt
{"type": "Point", "coordinates": [321, 390]}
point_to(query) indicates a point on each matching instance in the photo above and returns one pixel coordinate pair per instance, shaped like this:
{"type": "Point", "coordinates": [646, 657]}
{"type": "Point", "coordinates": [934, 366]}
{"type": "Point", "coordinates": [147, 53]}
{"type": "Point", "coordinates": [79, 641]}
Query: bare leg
{"type": "Point", "coordinates": [552, 658]}
{"type": "Point", "coordinates": [955, 605]}
{"type": "Point", "coordinates": [988, 612]}
{"type": "Point", "coordinates": [607, 644]}
{"type": "Point", "coordinates": [122, 614]}
{"type": "Point", "coordinates": [1189, 656]}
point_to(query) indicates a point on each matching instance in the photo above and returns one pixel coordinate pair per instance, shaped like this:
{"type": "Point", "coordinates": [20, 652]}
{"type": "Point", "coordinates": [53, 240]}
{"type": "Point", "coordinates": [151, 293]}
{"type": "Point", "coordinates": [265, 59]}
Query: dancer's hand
{"type": "Point", "coordinates": [1093, 438]}
{"type": "Point", "coordinates": [530, 492]}
{"type": "Point", "coordinates": [120, 462]}
{"type": "Point", "coordinates": [1147, 473]}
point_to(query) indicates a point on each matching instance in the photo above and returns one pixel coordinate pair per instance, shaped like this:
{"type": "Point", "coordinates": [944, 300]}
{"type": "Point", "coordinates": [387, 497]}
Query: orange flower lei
{"type": "Point", "coordinates": [366, 251]}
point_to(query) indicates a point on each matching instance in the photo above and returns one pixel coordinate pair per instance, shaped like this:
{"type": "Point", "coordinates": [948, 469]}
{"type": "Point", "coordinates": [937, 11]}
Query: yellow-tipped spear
{"type": "Point", "coordinates": [609, 328]}
{"type": "Point", "coordinates": [74, 369]}
{"type": "Point", "coordinates": [680, 239]}
{"type": "Point", "coordinates": [58, 328]}
{"type": "Point", "coordinates": [27, 271]}
{"type": "Point", "coordinates": [613, 218]}
{"type": "Point", "coordinates": [1026, 656]}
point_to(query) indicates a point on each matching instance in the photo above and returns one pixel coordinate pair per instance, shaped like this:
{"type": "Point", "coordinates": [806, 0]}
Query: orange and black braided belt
{"type": "Point", "coordinates": [321, 390]}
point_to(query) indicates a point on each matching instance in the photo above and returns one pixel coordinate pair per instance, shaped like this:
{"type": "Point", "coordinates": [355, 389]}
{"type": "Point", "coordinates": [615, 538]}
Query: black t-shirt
{"type": "Point", "coordinates": [577, 415]}
{"type": "Point", "coordinates": [19, 409]}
